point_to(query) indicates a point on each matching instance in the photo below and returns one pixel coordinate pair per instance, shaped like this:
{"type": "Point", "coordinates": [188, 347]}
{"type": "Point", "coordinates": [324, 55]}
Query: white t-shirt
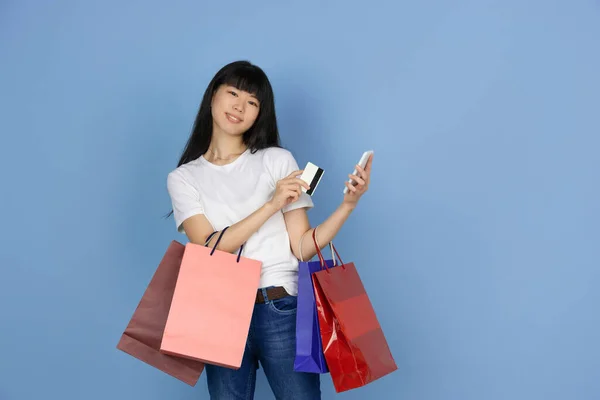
{"type": "Point", "coordinates": [226, 194]}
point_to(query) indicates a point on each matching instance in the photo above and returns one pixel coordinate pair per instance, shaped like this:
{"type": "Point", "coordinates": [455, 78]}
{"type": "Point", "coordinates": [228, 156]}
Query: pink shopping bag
{"type": "Point", "coordinates": [212, 306]}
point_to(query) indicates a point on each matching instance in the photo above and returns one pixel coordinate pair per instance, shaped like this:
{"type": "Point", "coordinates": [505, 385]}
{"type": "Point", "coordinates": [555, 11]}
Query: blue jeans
{"type": "Point", "coordinates": [272, 342]}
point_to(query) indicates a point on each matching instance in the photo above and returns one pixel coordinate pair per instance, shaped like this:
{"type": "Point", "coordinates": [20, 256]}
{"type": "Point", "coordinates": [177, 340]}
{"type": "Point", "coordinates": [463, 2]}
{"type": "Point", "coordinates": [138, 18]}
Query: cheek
{"type": "Point", "coordinates": [217, 110]}
{"type": "Point", "coordinates": [219, 102]}
{"type": "Point", "coordinates": [215, 114]}
{"type": "Point", "coordinates": [216, 104]}
{"type": "Point", "coordinates": [252, 116]}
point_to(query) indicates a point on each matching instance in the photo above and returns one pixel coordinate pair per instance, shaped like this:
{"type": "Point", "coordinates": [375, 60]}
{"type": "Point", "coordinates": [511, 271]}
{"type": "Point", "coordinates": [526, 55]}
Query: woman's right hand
{"type": "Point", "coordinates": [288, 190]}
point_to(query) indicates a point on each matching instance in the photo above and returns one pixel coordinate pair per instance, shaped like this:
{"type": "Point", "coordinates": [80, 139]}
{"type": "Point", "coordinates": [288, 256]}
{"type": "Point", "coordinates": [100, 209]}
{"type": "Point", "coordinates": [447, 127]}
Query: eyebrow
{"type": "Point", "coordinates": [251, 94]}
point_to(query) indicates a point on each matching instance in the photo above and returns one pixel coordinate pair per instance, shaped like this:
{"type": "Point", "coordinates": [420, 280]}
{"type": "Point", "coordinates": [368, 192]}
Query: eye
{"type": "Point", "coordinates": [253, 103]}
{"type": "Point", "coordinates": [232, 93]}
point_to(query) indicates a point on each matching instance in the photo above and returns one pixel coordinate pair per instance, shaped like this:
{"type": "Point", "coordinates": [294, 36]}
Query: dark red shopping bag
{"type": "Point", "coordinates": [355, 347]}
{"type": "Point", "coordinates": [143, 335]}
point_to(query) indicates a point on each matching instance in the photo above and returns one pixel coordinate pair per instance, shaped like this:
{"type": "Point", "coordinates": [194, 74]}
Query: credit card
{"type": "Point", "coordinates": [311, 175]}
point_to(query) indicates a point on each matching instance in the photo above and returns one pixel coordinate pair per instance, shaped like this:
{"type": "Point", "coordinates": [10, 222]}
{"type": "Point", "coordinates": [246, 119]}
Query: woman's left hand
{"type": "Point", "coordinates": [361, 183]}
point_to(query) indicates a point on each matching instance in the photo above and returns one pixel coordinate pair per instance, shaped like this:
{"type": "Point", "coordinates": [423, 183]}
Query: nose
{"type": "Point", "coordinates": [239, 106]}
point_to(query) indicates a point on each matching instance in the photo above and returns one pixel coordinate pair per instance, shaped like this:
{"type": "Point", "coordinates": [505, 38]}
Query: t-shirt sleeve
{"type": "Point", "coordinates": [283, 163]}
{"type": "Point", "coordinates": [185, 199]}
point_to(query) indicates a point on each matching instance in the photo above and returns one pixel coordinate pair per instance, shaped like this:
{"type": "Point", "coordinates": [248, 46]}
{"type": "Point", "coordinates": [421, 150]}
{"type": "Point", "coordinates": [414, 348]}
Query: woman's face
{"type": "Point", "coordinates": [233, 110]}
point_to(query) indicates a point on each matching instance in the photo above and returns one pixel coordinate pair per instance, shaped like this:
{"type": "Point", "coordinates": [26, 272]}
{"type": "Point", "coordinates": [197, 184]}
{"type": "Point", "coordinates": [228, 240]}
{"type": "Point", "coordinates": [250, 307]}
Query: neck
{"type": "Point", "coordinates": [223, 146]}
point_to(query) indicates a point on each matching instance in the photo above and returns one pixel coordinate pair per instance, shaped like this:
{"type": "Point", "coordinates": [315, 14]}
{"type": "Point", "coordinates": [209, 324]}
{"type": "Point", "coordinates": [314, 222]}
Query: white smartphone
{"type": "Point", "coordinates": [362, 163]}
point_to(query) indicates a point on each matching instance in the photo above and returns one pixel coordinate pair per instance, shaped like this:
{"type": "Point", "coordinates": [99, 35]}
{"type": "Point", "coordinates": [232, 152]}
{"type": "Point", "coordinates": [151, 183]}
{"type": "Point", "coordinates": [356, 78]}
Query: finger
{"type": "Point", "coordinates": [293, 195]}
{"type": "Point", "coordinates": [364, 174]}
{"type": "Point", "coordinates": [295, 173]}
{"type": "Point", "coordinates": [294, 189]}
{"type": "Point", "coordinates": [357, 179]}
{"type": "Point", "coordinates": [297, 189]}
{"type": "Point", "coordinates": [297, 182]}
{"type": "Point", "coordinates": [351, 187]}
{"type": "Point", "coordinates": [302, 183]}
{"type": "Point", "coordinates": [369, 163]}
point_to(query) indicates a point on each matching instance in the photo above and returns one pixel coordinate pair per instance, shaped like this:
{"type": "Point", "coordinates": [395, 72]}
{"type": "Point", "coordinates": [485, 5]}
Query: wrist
{"type": "Point", "coordinates": [270, 207]}
{"type": "Point", "coordinates": [347, 207]}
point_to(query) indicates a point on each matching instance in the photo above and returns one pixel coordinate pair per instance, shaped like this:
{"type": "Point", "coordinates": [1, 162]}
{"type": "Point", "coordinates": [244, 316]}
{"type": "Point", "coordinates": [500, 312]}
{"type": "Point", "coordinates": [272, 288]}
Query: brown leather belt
{"type": "Point", "coordinates": [272, 294]}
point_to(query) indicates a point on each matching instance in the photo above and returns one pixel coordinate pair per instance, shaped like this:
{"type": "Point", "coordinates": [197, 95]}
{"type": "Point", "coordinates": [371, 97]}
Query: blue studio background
{"type": "Point", "coordinates": [477, 242]}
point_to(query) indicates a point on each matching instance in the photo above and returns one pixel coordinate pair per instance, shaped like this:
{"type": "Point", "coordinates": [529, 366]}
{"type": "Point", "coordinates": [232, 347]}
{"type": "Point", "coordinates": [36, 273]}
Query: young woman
{"type": "Point", "coordinates": [233, 172]}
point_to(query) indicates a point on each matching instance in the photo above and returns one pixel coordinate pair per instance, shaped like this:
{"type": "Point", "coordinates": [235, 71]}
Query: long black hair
{"type": "Point", "coordinates": [262, 134]}
{"type": "Point", "coordinates": [250, 78]}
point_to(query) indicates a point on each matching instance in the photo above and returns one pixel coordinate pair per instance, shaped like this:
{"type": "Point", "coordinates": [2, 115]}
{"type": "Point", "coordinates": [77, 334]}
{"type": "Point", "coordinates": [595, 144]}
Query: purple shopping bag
{"type": "Point", "coordinates": [309, 348]}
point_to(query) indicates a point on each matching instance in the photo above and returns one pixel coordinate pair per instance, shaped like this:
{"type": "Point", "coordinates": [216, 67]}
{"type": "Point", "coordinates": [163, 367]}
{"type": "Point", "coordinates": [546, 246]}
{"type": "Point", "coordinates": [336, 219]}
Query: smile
{"type": "Point", "coordinates": [233, 119]}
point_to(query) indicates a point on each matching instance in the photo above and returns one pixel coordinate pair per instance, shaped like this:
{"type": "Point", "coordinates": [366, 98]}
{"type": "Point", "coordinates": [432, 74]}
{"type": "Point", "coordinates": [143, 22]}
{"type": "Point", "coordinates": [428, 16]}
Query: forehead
{"type": "Point", "coordinates": [247, 81]}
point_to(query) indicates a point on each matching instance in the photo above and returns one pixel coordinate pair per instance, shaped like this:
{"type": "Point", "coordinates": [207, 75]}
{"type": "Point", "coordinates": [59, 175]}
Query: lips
{"type": "Point", "coordinates": [233, 119]}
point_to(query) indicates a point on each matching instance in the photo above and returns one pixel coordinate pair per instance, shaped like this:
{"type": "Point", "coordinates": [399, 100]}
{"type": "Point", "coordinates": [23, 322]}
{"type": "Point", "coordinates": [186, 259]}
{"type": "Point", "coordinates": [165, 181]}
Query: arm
{"type": "Point", "coordinates": [297, 225]}
{"type": "Point", "coordinates": [297, 221]}
{"type": "Point", "coordinates": [198, 228]}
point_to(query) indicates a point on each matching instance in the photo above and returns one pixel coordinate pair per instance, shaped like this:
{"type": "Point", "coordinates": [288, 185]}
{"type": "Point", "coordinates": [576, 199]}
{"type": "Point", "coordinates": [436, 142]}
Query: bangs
{"type": "Point", "coordinates": [249, 79]}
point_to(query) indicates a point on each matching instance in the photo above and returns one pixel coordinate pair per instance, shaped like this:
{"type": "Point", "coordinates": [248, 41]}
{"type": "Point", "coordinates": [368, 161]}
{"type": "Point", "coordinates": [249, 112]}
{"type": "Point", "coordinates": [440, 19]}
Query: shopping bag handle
{"type": "Point", "coordinates": [300, 247]}
{"type": "Point", "coordinates": [321, 258]}
{"type": "Point", "coordinates": [219, 239]}
{"type": "Point", "coordinates": [209, 238]}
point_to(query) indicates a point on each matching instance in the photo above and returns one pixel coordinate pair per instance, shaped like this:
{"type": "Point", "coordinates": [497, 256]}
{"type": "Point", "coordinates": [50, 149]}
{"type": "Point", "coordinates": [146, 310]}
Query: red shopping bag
{"type": "Point", "coordinates": [355, 347]}
{"type": "Point", "coordinates": [212, 306]}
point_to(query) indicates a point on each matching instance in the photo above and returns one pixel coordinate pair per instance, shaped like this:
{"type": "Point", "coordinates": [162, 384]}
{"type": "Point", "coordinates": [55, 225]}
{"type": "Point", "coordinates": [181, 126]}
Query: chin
{"type": "Point", "coordinates": [231, 129]}
{"type": "Point", "coordinates": [234, 131]}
